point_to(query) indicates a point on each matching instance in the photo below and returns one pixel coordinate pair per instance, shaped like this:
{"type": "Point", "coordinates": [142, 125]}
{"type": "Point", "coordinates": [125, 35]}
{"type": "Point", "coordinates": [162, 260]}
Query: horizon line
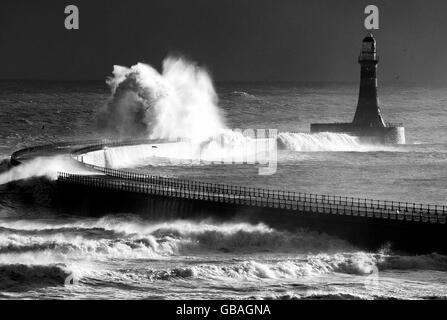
{"type": "Point", "coordinates": [238, 81]}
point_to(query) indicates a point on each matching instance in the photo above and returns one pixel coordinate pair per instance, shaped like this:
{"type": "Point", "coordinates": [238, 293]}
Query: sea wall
{"type": "Point", "coordinates": [237, 149]}
{"type": "Point", "coordinates": [134, 155]}
{"type": "Point", "coordinates": [385, 135]}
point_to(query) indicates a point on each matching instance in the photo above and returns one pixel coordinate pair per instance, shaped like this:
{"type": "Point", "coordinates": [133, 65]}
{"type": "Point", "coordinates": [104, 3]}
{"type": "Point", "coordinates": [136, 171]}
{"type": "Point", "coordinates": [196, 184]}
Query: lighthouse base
{"type": "Point", "coordinates": [385, 135]}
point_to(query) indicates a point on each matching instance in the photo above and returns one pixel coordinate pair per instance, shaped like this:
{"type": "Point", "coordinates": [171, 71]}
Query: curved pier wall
{"type": "Point", "coordinates": [385, 135]}
{"type": "Point", "coordinates": [135, 155]}
{"type": "Point", "coordinates": [239, 150]}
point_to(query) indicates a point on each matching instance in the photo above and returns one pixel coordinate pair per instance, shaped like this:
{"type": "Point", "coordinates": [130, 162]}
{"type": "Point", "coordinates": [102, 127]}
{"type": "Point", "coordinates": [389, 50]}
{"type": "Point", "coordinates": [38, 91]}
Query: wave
{"type": "Point", "coordinates": [326, 141]}
{"type": "Point", "coordinates": [4, 164]}
{"type": "Point", "coordinates": [361, 265]}
{"type": "Point", "coordinates": [348, 263]}
{"type": "Point", "coordinates": [179, 102]}
{"type": "Point", "coordinates": [63, 247]}
{"type": "Point", "coordinates": [19, 277]}
{"type": "Point", "coordinates": [47, 167]}
{"type": "Point", "coordinates": [242, 237]}
{"type": "Point", "coordinates": [242, 94]}
{"type": "Point", "coordinates": [366, 265]}
{"type": "Point", "coordinates": [311, 296]}
{"type": "Point", "coordinates": [124, 237]}
{"type": "Point", "coordinates": [115, 237]}
{"type": "Point", "coordinates": [433, 261]}
{"type": "Point", "coordinates": [89, 233]}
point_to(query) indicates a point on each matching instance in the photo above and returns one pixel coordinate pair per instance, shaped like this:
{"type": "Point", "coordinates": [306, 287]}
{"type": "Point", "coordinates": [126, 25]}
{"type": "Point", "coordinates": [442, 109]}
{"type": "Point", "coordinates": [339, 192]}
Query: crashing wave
{"type": "Point", "coordinates": [26, 277]}
{"type": "Point", "coordinates": [357, 263]}
{"type": "Point", "coordinates": [120, 238]}
{"type": "Point", "coordinates": [325, 141]}
{"type": "Point", "coordinates": [46, 167]}
{"type": "Point", "coordinates": [289, 269]}
{"type": "Point", "coordinates": [180, 102]}
{"type": "Point", "coordinates": [125, 237]}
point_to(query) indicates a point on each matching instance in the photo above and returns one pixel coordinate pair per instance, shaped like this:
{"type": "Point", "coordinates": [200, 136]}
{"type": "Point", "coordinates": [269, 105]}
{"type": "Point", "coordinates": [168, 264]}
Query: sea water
{"type": "Point", "coordinates": [45, 253]}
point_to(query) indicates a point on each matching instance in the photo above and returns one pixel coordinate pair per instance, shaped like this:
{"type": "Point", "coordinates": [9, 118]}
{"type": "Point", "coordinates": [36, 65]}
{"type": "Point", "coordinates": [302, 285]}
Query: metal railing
{"type": "Point", "coordinates": [174, 187]}
{"type": "Point", "coordinates": [298, 201]}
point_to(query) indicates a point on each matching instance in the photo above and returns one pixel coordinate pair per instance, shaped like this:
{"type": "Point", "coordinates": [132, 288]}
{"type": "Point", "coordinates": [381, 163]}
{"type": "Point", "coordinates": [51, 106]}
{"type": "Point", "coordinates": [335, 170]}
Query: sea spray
{"type": "Point", "coordinates": [356, 263]}
{"type": "Point", "coordinates": [42, 167]}
{"type": "Point", "coordinates": [117, 237]}
{"type": "Point", "coordinates": [231, 147]}
{"type": "Point", "coordinates": [134, 237]}
{"type": "Point", "coordinates": [179, 102]}
{"type": "Point", "coordinates": [326, 141]}
{"type": "Point", "coordinates": [233, 254]}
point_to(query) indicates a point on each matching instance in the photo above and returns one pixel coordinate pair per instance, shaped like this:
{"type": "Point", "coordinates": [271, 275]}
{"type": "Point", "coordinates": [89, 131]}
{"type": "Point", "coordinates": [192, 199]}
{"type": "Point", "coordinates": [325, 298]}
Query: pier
{"type": "Point", "coordinates": [408, 226]}
{"type": "Point", "coordinates": [125, 181]}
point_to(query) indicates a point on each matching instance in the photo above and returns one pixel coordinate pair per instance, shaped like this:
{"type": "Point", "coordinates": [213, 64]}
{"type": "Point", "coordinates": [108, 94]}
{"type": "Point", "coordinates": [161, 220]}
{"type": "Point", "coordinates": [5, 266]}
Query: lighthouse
{"type": "Point", "coordinates": [368, 123]}
{"type": "Point", "coordinates": [368, 111]}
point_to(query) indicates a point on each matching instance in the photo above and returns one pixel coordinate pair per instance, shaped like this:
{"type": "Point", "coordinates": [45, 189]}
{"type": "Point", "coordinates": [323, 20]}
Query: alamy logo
{"type": "Point", "coordinates": [250, 146]}
{"type": "Point", "coordinates": [372, 20]}
{"type": "Point", "coordinates": [72, 20]}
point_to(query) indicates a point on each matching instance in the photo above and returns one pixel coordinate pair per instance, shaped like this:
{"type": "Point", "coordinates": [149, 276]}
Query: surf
{"type": "Point", "coordinates": [327, 142]}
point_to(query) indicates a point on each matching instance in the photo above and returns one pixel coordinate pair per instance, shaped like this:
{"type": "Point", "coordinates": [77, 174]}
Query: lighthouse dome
{"type": "Point", "coordinates": [369, 38]}
{"type": "Point", "coordinates": [369, 44]}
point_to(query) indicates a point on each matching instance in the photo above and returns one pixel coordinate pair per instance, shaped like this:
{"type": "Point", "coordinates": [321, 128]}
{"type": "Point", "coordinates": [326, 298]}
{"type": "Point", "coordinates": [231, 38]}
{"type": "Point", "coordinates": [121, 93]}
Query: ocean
{"type": "Point", "coordinates": [45, 253]}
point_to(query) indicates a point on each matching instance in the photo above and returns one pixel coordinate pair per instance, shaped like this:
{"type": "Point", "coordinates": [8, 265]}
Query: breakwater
{"type": "Point", "coordinates": [407, 226]}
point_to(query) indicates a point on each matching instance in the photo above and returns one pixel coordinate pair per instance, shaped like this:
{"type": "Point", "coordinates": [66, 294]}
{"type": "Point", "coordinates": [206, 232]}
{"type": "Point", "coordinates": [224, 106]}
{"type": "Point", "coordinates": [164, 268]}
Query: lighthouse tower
{"type": "Point", "coordinates": [368, 123]}
{"type": "Point", "coordinates": [368, 112]}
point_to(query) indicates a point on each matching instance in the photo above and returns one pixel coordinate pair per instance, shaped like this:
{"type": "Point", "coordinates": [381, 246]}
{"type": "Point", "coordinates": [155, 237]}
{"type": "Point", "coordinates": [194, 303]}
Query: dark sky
{"type": "Point", "coordinates": [237, 40]}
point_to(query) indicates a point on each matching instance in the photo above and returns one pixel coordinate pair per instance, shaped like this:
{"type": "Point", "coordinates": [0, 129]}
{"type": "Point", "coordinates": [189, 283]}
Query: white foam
{"type": "Point", "coordinates": [179, 102]}
{"type": "Point", "coordinates": [229, 147]}
{"type": "Point", "coordinates": [139, 239]}
{"type": "Point", "coordinates": [326, 141]}
{"type": "Point", "coordinates": [43, 167]}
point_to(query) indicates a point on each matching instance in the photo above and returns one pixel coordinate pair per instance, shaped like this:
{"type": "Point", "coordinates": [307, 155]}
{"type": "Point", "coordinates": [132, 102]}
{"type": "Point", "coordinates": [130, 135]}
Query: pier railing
{"type": "Point", "coordinates": [258, 197]}
{"type": "Point", "coordinates": [174, 187]}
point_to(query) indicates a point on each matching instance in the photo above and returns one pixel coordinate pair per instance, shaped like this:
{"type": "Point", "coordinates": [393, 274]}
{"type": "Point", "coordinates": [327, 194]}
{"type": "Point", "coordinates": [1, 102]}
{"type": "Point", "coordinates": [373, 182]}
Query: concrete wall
{"type": "Point", "coordinates": [241, 150]}
{"type": "Point", "coordinates": [386, 135]}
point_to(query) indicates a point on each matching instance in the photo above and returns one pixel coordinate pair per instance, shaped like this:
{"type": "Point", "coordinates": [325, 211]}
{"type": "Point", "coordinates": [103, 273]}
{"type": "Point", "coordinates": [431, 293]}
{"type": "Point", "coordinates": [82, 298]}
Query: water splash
{"type": "Point", "coordinates": [179, 102]}
{"type": "Point", "coordinates": [326, 141]}
{"type": "Point", "coordinates": [42, 167]}
{"type": "Point", "coordinates": [44, 251]}
{"type": "Point", "coordinates": [135, 238]}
